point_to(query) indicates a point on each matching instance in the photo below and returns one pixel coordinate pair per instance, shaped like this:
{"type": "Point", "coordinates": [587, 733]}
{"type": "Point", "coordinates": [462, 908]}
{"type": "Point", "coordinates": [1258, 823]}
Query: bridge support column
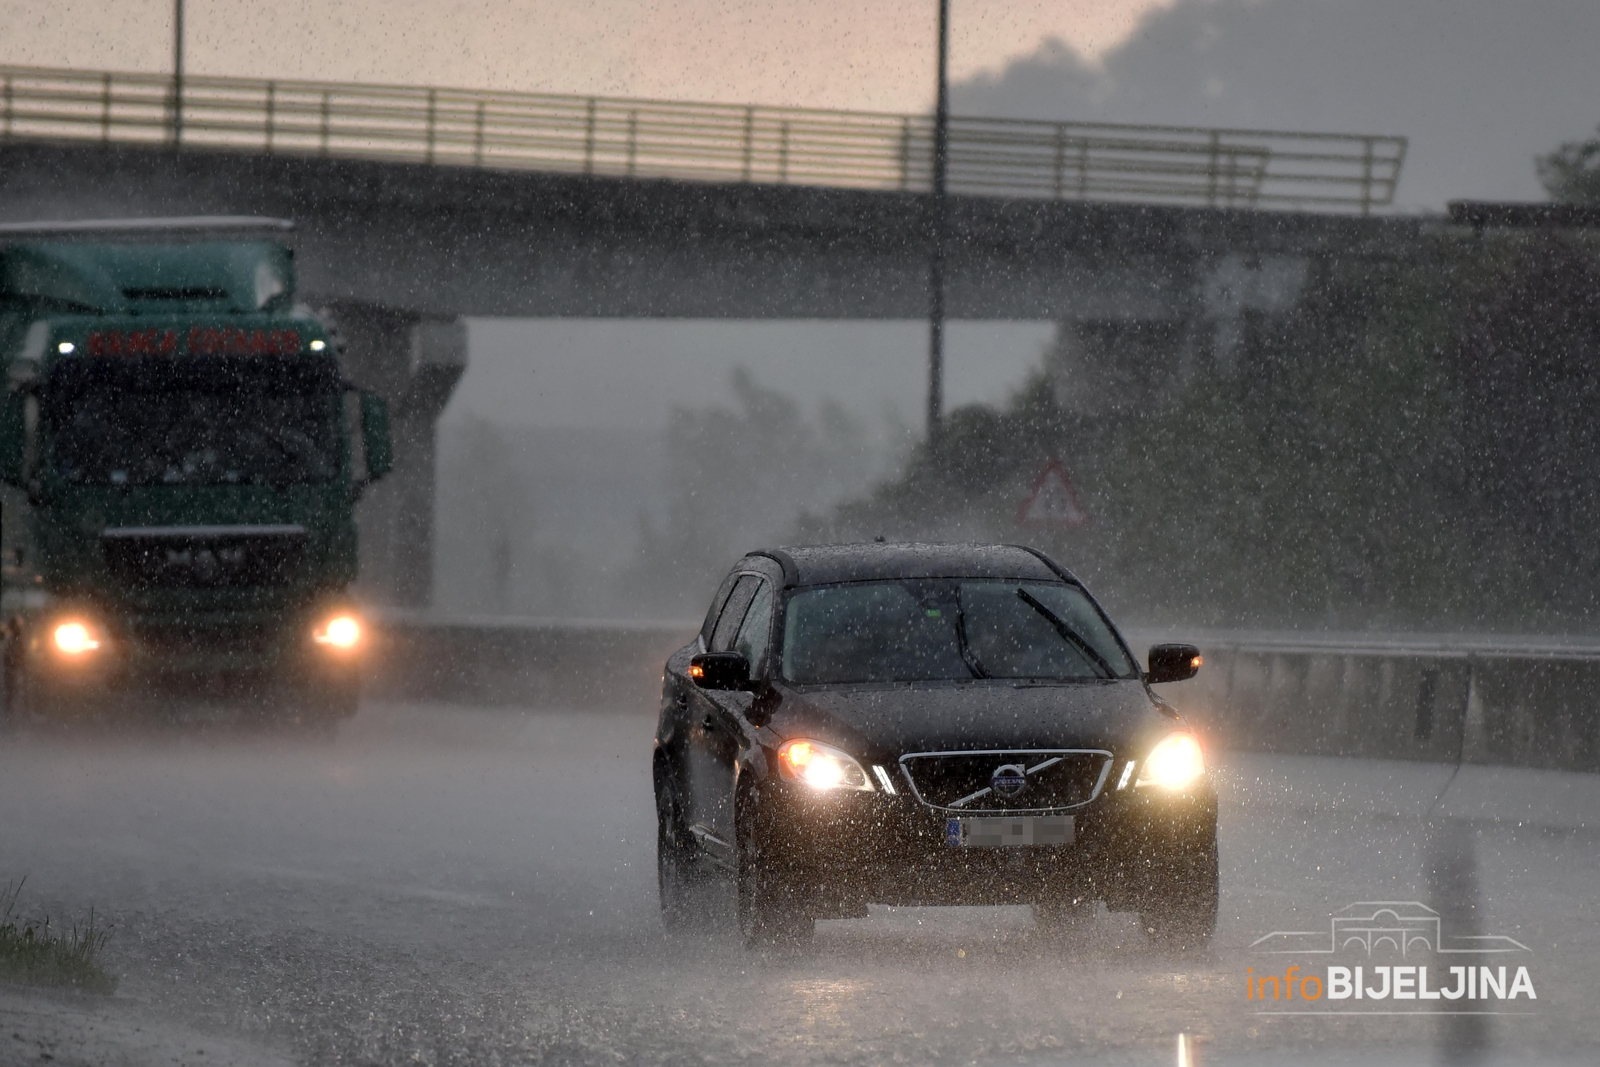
{"type": "Point", "coordinates": [414, 362]}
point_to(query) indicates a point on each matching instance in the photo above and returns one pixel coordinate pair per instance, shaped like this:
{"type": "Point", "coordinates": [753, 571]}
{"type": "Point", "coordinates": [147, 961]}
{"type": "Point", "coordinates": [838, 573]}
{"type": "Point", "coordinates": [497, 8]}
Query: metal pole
{"type": "Point", "coordinates": [433, 106]}
{"type": "Point", "coordinates": [905, 154]}
{"type": "Point", "coordinates": [477, 138]}
{"type": "Point", "coordinates": [588, 138]}
{"type": "Point", "coordinates": [105, 109]}
{"type": "Point", "coordinates": [938, 210]}
{"type": "Point", "coordinates": [749, 140]}
{"type": "Point", "coordinates": [177, 73]}
{"type": "Point", "coordinates": [1366, 177]}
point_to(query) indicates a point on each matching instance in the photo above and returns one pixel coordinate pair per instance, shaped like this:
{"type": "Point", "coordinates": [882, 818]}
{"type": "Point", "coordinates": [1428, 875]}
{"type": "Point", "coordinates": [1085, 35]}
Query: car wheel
{"type": "Point", "coordinates": [1182, 914]}
{"type": "Point", "coordinates": [680, 881]}
{"type": "Point", "coordinates": [772, 906]}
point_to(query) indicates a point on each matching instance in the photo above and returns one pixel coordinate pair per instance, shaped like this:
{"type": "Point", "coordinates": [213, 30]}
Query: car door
{"type": "Point", "coordinates": [713, 733]}
{"type": "Point", "coordinates": [731, 713]}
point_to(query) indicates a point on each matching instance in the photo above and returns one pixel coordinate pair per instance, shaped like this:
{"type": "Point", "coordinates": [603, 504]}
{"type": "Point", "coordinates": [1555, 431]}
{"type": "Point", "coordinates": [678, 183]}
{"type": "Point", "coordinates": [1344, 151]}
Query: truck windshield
{"type": "Point", "coordinates": [212, 421]}
{"type": "Point", "coordinates": [948, 630]}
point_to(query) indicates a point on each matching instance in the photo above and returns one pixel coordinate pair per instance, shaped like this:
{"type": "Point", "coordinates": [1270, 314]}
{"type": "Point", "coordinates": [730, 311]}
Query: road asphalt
{"type": "Point", "coordinates": [444, 885]}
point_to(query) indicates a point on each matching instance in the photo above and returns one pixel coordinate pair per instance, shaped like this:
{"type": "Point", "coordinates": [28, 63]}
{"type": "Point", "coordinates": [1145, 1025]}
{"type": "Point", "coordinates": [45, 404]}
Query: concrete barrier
{"type": "Point", "coordinates": [1514, 701]}
{"type": "Point", "coordinates": [1527, 702]}
{"type": "Point", "coordinates": [571, 663]}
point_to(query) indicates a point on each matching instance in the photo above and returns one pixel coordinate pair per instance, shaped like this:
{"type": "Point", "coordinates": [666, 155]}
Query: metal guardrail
{"type": "Point", "coordinates": [1398, 645]}
{"type": "Point", "coordinates": [1509, 699]}
{"type": "Point", "coordinates": [713, 142]}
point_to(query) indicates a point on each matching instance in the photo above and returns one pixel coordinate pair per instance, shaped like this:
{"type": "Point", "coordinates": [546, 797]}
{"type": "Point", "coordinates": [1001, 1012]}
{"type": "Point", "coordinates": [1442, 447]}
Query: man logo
{"type": "Point", "coordinates": [1009, 780]}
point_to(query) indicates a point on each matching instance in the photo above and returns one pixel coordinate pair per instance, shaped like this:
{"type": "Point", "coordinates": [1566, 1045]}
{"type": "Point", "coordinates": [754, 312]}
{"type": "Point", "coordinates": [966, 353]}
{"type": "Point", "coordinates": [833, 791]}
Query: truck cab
{"type": "Point", "coordinates": [181, 455]}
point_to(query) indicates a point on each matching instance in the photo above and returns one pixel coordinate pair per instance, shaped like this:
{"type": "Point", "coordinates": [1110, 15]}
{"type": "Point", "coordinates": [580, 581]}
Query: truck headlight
{"type": "Point", "coordinates": [74, 638]}
{"type": "Point", "coordinates": [1175, 762]}
{"type": "Point", "coordinates": [822, 767]}
{"type": "Point", "coordinates": [342, 632]}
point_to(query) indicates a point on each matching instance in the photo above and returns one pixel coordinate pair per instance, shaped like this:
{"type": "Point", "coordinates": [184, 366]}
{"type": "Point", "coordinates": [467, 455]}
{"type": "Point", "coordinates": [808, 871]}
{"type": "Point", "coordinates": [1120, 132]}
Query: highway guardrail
{"type": "Point", "coordinates": [1481, 698]}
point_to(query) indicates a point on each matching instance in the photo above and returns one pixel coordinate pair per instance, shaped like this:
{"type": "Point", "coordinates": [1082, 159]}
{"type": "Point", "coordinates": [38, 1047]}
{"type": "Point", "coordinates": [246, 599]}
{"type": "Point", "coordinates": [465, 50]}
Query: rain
{"type": "Point", "coordinates": [944, 532]}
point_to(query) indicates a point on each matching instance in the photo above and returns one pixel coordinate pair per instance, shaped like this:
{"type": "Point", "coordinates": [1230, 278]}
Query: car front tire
{"type": "Point", "coordinates": [1181, 915]}
{"type": "Point", "coordinates": [772, 905]}
{"type": "Point", "coordinates": [680, 882]}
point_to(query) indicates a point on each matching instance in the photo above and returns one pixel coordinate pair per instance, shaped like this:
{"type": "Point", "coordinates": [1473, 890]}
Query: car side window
{"type": "Point", "coordinates": [708, 627]}
{"type": "Point", "coordinates": [756, 629]}
{"type": "Point", "coordinates": [733, 614]}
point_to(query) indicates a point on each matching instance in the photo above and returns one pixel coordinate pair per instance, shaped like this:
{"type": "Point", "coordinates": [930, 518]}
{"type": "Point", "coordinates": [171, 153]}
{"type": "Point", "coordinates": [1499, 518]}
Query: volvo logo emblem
{"type": "Point", "coordinates": [1009, 780]}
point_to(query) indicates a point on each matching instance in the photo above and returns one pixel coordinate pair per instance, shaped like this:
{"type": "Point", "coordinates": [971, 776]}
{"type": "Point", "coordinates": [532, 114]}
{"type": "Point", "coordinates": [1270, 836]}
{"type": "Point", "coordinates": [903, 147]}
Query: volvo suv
{"type": "Point", "coordinates": [917, 724]}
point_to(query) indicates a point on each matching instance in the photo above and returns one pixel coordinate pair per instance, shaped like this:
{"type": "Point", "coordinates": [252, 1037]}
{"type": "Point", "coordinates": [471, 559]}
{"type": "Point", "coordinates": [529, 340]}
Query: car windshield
{"type": "Point", "coordinates": [202, 422]}
{"type": "Point", "coordinates": [948, 630]}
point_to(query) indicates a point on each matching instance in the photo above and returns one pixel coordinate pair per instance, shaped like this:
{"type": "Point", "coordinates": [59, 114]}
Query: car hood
{"type": "Point", "coordinates": [882, 723]}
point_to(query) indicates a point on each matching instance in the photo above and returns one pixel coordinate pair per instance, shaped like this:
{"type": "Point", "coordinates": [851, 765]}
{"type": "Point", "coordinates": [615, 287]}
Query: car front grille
{"type": "Point", "coordinates": [204, 556]}
{"type": "Point", "coordinates": [1037, 779]}
{"type": "Point", "coordinates": [233, 639]}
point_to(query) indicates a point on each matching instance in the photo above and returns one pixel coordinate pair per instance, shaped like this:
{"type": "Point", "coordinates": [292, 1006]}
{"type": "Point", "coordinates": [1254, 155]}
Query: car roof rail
{"type": "Point", "coordinates": [791, 573]}
{"type": "Point", "coordinates": [1062, 572]}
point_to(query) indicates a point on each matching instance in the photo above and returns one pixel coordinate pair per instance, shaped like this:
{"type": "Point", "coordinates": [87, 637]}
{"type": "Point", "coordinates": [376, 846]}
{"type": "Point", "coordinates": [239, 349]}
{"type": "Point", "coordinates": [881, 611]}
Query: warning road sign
{"type": "Point", "coordinates": [1053, 501]}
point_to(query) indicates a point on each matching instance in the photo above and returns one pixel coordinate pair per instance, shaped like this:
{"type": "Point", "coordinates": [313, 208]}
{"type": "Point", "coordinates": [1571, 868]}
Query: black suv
{"type": "Point", "coordinates": [926, 724]}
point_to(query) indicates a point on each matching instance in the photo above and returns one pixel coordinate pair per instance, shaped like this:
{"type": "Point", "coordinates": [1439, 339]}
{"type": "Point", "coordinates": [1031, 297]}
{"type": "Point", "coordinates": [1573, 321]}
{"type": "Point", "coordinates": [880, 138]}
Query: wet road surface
{"type": "Point", "coordinates": [456, 886]}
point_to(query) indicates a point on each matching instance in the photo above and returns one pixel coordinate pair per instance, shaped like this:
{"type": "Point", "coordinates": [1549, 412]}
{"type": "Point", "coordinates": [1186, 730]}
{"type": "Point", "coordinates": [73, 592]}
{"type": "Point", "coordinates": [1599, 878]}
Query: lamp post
{"type": "Point", "coordinates": [937, 209]}
{"type": "Point", "coordinates": [177, 73]}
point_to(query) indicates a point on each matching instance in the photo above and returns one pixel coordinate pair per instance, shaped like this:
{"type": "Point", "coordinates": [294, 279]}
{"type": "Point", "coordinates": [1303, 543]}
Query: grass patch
{"type": "Point", "coordinates": [39, 954]}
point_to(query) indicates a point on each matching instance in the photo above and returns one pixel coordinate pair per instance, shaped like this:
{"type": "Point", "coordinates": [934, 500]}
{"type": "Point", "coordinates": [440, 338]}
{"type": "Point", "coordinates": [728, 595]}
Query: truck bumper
{"type": "Point", "coordinates": [208, 656]}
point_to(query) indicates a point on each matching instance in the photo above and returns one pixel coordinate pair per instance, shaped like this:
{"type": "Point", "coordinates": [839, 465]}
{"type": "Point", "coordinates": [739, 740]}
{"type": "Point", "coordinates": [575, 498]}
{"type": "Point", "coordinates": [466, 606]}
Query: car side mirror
{"type": "Point", "coordinates": [13, 438]}
{"type": "Point", "coordinates": [375, 440]}
{"type": "Point", "coordinates": [720, 670]}
{"type": "Point", "coordinates": [1173, 663]}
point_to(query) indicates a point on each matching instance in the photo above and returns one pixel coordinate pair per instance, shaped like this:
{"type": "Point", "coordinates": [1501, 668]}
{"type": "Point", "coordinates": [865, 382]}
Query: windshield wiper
{"type": "Point", "coordinates": [969, 657]}
{"type": "Point", "coordinates": [1067, 633]}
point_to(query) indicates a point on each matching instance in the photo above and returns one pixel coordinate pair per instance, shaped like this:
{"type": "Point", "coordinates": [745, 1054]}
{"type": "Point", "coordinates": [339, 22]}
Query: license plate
{"type": "Point", "coordinates": [1009, 832]}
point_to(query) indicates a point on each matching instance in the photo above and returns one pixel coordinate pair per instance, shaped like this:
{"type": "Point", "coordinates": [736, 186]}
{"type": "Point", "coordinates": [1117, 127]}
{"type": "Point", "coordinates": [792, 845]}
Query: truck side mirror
{"type": "Point", "coordinates": [13, 438]}
{"type": "Point", "coordinates": [1173, 663]}
{"type": "Point", "coordinates": [375, 441]}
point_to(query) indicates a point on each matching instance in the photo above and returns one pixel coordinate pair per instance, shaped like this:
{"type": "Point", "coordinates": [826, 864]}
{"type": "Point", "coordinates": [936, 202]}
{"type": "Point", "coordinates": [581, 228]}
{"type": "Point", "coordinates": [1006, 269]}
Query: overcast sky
{"type": "Point", "coordinates": [1478, 86]}
{"type": "Point", "coordinates": [866, 54]}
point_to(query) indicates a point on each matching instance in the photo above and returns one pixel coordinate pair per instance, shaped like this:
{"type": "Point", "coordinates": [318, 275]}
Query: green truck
{"type": "Point", "coordinates": [181, 456]}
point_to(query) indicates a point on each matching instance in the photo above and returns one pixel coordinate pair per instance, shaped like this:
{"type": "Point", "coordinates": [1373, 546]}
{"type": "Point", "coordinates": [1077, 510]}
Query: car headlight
{"type": "Point", "coordinates": [73, 637]}
{"type": "Point", "coordinates": [1175, 762]}
{"type": "Point", "coordinates": [822, 767]}
{"type": "Point", "coordinates": [341, 632]}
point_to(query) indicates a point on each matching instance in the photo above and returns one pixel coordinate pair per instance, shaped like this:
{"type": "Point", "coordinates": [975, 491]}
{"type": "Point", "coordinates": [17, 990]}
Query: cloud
{"type": "Point", "coordinates": [1478, 86]}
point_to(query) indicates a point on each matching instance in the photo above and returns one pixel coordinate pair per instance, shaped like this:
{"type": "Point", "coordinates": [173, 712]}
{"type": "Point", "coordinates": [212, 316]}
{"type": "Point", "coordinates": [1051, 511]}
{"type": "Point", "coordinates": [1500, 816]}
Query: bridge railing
{"type": "Point", "coordinates": [697, 141]}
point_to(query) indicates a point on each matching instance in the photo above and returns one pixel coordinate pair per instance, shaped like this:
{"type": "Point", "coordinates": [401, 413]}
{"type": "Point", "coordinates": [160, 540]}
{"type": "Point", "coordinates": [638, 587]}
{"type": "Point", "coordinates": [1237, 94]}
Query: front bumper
{"type": "Point", "coordinates": [159, 651]}
{"type": "Point", "coordinates": [850, 849]}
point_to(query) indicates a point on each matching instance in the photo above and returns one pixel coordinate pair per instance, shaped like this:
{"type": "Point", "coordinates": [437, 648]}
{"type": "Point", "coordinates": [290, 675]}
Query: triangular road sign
{"type": "Point", "coordinates": [1053, 501]}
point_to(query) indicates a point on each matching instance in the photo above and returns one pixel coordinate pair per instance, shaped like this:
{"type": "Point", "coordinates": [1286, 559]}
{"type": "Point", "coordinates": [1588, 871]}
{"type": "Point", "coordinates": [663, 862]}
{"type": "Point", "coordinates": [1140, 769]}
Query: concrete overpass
{"type": "Point", "coordinates": [446, 242]}
{"type": "Point", "coordinates": [399, 248]}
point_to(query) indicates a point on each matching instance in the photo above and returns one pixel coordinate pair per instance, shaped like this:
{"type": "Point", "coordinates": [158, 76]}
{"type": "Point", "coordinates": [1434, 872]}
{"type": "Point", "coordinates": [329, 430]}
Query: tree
{"type": "Point", "coordinates": [739, 477]}
{"type": "Point", "coordinates": [1571, 174]}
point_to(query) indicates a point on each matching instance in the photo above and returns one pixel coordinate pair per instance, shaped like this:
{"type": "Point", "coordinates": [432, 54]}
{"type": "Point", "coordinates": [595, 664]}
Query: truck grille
{"type": "Point", "coordinates": [225, 640]}
{"type": "Point", "coordinates": [1030, 780]}
{"type": "Point", "coordinates": [204, 556]}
